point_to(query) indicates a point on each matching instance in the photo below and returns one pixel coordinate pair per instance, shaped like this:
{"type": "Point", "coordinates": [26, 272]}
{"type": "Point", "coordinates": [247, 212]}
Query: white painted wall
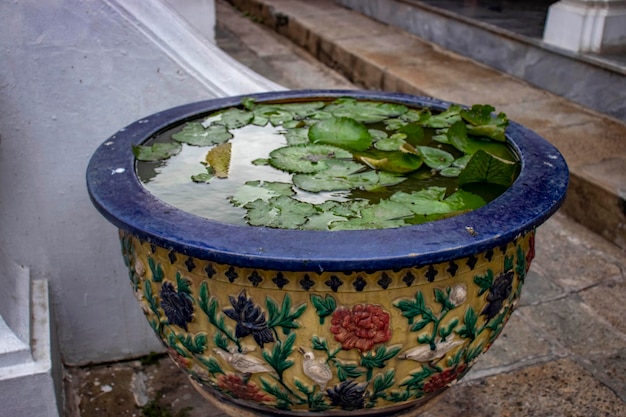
{"type": "Point", "coordinates": [72, 72]}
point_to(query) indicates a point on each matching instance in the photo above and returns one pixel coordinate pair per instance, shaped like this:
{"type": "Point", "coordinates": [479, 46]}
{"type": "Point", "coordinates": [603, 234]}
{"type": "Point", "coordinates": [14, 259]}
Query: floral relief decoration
{"type": "Point", "coordinates": [252, 349]}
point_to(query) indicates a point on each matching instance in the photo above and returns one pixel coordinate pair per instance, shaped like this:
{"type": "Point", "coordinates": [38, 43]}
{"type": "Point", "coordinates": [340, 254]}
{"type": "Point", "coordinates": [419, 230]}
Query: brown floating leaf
{"type": "Point", "coordinates": [219, 159]}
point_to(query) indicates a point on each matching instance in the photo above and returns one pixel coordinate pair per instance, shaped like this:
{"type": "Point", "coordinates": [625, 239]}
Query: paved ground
{"type": "Point", "coordinates": [563, 352]}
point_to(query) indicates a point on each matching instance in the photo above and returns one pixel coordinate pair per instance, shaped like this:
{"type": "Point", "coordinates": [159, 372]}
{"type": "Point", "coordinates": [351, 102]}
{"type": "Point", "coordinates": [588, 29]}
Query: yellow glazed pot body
{"type": "Point", "coordinates": [298, 342]}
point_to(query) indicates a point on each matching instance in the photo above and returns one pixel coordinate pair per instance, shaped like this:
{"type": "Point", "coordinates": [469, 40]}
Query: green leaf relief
{"type": "Point", "coordinates": [212, 365]}
{"type": "Point", "coordinates": [194, 344]}
{"type": "Point", "coordinates": [347, 371]}
{"type": "Point", "coordinates": [468, 329]}
{"type": "Point", "coordinates": [283, 316]}
{"type": "Point", "coordinates": [221, 341]}
{"type": "Point", "coordinates": [414, 308]}
{"type": "Point", "coordinates": [508, 263]}
{"type": "Point", "coordinates": [156, 270]}
{"type": "Point", "coordinates": [283, 398]}
{"type": "Point", "coordinates": [278, 357]}
{"type": "Point", "coordinates": [484, 282]}
{"type": "Point", "coordinates": [319, 343]}
{"type": "Point", "coordinates": [323, 306]}
{"type": "Point", "coordinates": [183, 285]}
{"type": "Point", "coordinates": [380, 357]}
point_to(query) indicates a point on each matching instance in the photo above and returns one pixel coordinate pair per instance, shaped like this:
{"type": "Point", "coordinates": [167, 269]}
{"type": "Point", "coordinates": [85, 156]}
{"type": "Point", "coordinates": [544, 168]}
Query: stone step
{"type": "Point", "coordinates": [378, 56]}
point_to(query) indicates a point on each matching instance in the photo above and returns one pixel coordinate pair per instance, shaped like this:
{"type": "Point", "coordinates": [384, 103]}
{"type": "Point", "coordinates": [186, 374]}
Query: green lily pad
{"type": "Point", "coordinates": [156, 152]}
{"type": "Point", "coordinates": [297, 136]}
{"type": "Point", "coordinates": [365, 111]}
{"type": "Point", "coordinates": [259, 190]}
{"type": "Point", "coordinates": [350, 208]}
{"type": "Point", "coordinates": [444, 119]}
{"type": "Point", "coordinates": [344, 175]}
{"type": "Point", "coordinates": [203, 177]}
{"type": "Point", "coordinates": [322, 221]}
{"type": "Point", "coordinates": [450, 172]}
{"type": "Point", "coordinates": [392, 143]}
{"type": "Point", "coordinates": [424, 202]}
{"type": "Point", "coordinates": [464, 200]}
{"type": "Point", "coordinates": [306, 158]}
{"type": "Point", "coordinates": [195, 134]}
{"type": "Point", "coordinates": [458, 137]}
{"type": "Point", "coordinates": [485, 167]}
{"type": "Point", "coordinates": [385, 214]}
{"type": "Point", "coordinates": [396, 162]}
{"type": "Point", "coordinates": [462, 161]}
{"type": "Point", "coordinates": [395, 124]}
{"type": "Point", "coordinates": [436, 158]}
{"type": "Point", "coordinates": [378, 134]}
{"type": "Point", "coordinates": [482, 122]}
{"type": "Point", "coordinates": [341, 131]}
{"type": "Point", "coordinates": [279, 212]}
{"type": "Point", "coordinates": [231, 118]}
{"type": "Point", "coordinates": [414, 134]}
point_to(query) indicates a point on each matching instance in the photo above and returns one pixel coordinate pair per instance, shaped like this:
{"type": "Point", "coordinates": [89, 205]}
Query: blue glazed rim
{"type": "Point", "coordinates": [117, 193]}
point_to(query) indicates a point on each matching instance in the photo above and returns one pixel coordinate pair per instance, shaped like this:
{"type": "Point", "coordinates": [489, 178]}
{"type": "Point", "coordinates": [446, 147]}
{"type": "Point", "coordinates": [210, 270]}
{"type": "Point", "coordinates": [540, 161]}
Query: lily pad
{"type": "Point", "coordinates": [344, 176]}
{"type": "Point", "coordinates": [392, 143]}
{"type": "Point", "coordinates": [385, 214]}
{"type": "Point", "coordinates": [450, 172]}
{"type": "Point", "coordinates": [444, 119]}
{"type": "Point", "coordinates": [203, 177]}
{"type": "Point", "coordinates": [231, 118]}
{"type": "Point", "coordinates": [436, 158]}
{"type": "Point", "coordinates": [156, 152]}
{"type": "Point", "coordinates": [279, 212]}
{"type": "Point", "coordinates": [322, 221]}
{"type": "Point", "coordinates": [297, 136]}
{"type": "Point", "coordinates": [341, 131]}
{"type": "Point", "coordinates": [193, 133]}
{"type": "Point", "coordinates": [414, 134]}
{"type": "Point", "coordinates": [484, 167]}
{"type": "Point", "coordinates": [482, 122]}
{"type": "Point", "coordinates": [258, 190]}
{"type": "Point", "coordinates": [397, 162]}
{"type": "Point", "coordinates": [306, 158]}
{"type": "Point", "coordinates": [365, 111]}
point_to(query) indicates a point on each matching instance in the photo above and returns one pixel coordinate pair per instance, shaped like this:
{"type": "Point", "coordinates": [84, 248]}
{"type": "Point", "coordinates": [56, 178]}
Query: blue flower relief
{"type": "Point", "coordinates": [176, 305]}
{"type": "Point", "coordinates": [250, 319]}
{"type": "Point", "coordinates": [498, 293]}
{"type": "Point", "coordinates": [349, 395]}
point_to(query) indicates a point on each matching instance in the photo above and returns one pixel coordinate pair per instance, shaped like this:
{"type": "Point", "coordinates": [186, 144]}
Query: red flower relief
{"type": "Point", "coordinates": [444, 378]}
{"type": "Point", "coordinates": [362, 327]}
{"type": "Point", "coordinates": [241, 389]}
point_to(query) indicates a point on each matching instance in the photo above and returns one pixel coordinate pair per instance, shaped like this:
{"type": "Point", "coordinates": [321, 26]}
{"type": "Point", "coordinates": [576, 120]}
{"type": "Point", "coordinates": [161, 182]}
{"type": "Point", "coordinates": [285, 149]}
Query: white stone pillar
{"type": "Point", "coordinates": [587, 25]}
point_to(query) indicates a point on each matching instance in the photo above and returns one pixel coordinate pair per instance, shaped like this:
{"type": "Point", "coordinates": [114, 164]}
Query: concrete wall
{"type": "Point", "coordinates": [73, 72]}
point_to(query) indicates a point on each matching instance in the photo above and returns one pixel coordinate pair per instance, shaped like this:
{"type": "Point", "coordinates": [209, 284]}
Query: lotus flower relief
{"type": "Point", "coordinates": [250, 319]}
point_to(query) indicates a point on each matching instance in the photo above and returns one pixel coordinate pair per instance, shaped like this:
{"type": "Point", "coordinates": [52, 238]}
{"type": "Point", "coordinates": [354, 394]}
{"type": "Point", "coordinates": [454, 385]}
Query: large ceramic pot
{"type": "Point", "coordinates": [292, 322]}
